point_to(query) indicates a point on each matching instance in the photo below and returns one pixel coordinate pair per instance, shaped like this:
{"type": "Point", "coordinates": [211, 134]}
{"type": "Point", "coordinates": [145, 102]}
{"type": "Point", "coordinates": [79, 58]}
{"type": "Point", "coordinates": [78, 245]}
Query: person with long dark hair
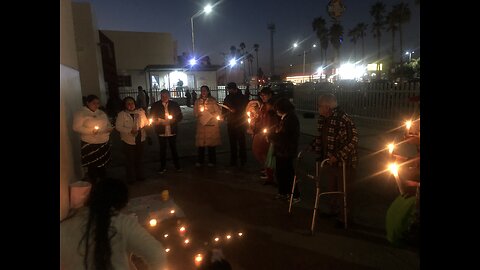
{"type": "Point", "coordinates": [94, 128]}
{"type": "Point", "coordinates": [131, 123]}
{"type": "Point", "coordinates": [207, 111]}
{"type": "Point", "coordinates": [285, 140]}
{"type": "Point", "coordinates": [100, 237]}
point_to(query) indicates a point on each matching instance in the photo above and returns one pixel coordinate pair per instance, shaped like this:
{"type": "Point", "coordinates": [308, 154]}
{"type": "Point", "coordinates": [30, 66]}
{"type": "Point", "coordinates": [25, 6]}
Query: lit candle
{"type": "Point", "coordinates": [240, 234]}
{"type": "Point", "coordinates": [248, 114]}
{"type": "Point", "coordinates": [150, 121]}
{"type": "Point", "coordinates": [170, 116]}
{"type": "Point", "coordinates": [96, 128]}
{"type": "Point", "coordinates": [187, 241]}
{"type": "Point", "coordinates": [249, 120]}
{"type": "Point", "coordinates": [172, 211]}
{"type": "Point", "coordinates": [198, 259]}
{"type": "Point", "coordinates": [391, 147]}
{"type": "Point", "coordinates": [217, 239]}
{"type": "Point", "coordinates": [165, 235]}
{"type": "Point", "coordinates": [408, 124]}
{"type": "Point", "coordinates": [393, 167]}
{"type": "Point", "coordinates": [265, 131]}
{"type": "Point", "coordinates": [167, 250]}
{"type": "Point", "coordinates": [218, 117]}
{"type": "Point", "coordinates": [202, 108]}
{"type": "Point", "coordinates": [229, 236]}
{"type": "Point", "coordinates": [153, 222]}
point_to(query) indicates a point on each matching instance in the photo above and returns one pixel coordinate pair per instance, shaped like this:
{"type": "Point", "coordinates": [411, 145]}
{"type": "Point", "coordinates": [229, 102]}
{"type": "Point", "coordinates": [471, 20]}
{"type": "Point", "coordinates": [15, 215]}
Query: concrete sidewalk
{"type": "Point", "coordinates": [219, 200]}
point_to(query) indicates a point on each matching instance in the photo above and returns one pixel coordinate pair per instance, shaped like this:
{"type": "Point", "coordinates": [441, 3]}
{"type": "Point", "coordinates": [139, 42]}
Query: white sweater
{"type": "Point", "coordinates": [125, 123]}
{"type": "Point", "coordinates": [130, 237]}
{"type": "Point", "coordinates": [84, 122]}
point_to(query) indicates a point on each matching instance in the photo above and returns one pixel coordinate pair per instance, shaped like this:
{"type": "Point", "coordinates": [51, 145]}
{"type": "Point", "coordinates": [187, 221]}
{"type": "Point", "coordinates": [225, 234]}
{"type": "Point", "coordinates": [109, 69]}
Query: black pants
{"type": "Point", "coordinates": [95, 173]}
{"type": "Point", "coordinates": [134, 162]}
{"type": "Point", "coordinates": [236, 135]}
{"type": "Point", "coordinates": [172, 141]}
{"type": "Point", "coordinates": [212, 155]}
{"type": "Point", "coordinates": [285, 171]}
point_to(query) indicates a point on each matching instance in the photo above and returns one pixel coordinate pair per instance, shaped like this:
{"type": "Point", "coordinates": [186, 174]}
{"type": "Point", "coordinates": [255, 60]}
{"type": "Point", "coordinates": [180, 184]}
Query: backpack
{"type": "Point", "coordinates": [147, 99]}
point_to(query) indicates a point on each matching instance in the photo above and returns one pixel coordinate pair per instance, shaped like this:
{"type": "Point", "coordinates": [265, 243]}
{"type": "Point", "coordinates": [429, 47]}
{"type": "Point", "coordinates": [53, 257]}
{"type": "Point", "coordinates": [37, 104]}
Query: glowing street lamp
{"type": "Point", "coordinates": [409, 55]}
{"type": "Point", "coordinates": [304, 53]}
{"type": "Point", "coordinates": [207, 9]}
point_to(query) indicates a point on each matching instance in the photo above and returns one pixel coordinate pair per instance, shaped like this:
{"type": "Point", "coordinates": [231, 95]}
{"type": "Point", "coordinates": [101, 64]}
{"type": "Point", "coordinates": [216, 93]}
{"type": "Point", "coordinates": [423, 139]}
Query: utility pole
{"type": "Point", "coordinates": [271, 27]}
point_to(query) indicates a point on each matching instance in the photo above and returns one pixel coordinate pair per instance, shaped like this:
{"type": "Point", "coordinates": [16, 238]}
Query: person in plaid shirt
{"type": "Point", "coordinates": [337, 140]}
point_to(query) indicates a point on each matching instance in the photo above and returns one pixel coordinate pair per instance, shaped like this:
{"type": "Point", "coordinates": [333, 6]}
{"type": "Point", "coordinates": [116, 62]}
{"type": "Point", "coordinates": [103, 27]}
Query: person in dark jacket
{"type": "Point", "coordinates": [285, 139]}
{"type": "Point", "coordinates": [236, 123]}
{"type": "Point", "coordinates": [166, 114]}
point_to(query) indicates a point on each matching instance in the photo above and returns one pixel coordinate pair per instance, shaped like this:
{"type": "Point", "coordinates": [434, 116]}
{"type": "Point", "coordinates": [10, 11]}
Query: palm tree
{"type": "Point", "coordinates": [402, 15]}
{"type": "Point", "coordinates": [250, 61]}
{"type": "Point", "coordinates": [242, 48]}
{"type": "Point", "coordinates": [255, 47]}
{"type": "Point", "coordinates": [362, 32]}
{"type": "Point", "coordinates": [353, 34]}
{"type": "Point", "coordinates": [377, 11]}
{"type": "Point", "coordinates": [320, 27]}
{"type": "Point", "coordinates": [336, 33]}
{"type": "Point", "coordinates": [392, 27]}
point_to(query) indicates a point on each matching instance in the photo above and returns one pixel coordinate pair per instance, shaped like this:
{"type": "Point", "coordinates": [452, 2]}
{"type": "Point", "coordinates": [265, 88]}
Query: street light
{"type": "Point", "coordinates": [304, 53]}
{"type": "Point", "coordinates": [207, 9]}
{"type": "Point", "coordinates": [409, 55]}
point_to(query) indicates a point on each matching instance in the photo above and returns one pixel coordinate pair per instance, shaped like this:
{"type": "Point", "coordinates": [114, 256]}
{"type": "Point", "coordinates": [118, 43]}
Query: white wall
{"type": "Point", "coordinates": [70, 101]}
{"type": "Point", "coordinates": [88, 51]}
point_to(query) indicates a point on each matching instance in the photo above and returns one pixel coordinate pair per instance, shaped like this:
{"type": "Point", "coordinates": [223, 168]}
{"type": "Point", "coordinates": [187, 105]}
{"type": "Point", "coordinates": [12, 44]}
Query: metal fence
{"type": "Point", "coordinates": [374, 101]}
{"type": "Point", "coordinates": [179, 94]}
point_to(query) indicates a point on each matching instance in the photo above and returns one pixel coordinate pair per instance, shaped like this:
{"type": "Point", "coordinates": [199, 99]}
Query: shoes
{"type": "Point", "coordinates": [211, 165]}
{"type": "Point", "coordinates": [198, 164]}
{"type": "Point", "coordinates": [281, 197]}
{"type": "Point", "coordinates": [162, 171]}
{"type": "Point", "coordinates": [296, 200]}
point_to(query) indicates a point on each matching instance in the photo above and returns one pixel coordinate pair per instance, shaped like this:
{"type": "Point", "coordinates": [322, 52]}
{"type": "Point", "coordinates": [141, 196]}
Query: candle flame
{"type": "Point", "coordinates": [170, 116]}
{"type": "Point", "coordinates": [96, 127]}
{"type": "Point", "coordinates": [265, 130]}
{"type": "Point", "coordinates": [229, 236]}
{"type": "Point", "coordinates": [172, 211]}
{"type": "Point", "coordinates": [248, 114]}
{"type": "Point", "coordinates": [198, 259]}
{"type": "Point", "coordinates": [187, 241]}
{"type": "Point", "coordinates": [408, 124]}
{"type": "Point", "coordinates": [153, 222]}
{"type": "Point", "coordinates": [217, 239]}
{"type": "Point", "coordinates": [202, 109]}
{"type": "Point", "coordinates": [167, 250]}
{"type": "Point", "coordinates": [393, 167]}
{"type": "Point", "coordinates": [249, 120]}
{"type": "Point", "coordinates": [391, 146]}
{"type": "Point", "coordinates": [150, 121]}
{"type": "Point", "coordinates": [240, 234]}
{"type": "Point", "coordinates": [165, 235]}
{"type": "Point", "coordinates": [182, 229]}
{"type": "Point", "coordinates": [218, 117]}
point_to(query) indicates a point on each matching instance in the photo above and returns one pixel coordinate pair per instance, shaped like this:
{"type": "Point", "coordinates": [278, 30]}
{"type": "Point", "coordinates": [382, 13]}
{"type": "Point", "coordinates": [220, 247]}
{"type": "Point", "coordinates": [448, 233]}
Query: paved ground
{"type": "Point", "coordinates": [222, 200]}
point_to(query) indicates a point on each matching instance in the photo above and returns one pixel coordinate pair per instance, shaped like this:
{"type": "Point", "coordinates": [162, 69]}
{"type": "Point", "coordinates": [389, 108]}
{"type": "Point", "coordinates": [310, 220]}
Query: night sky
{"type": "Point", "coordinates": [233, 21]}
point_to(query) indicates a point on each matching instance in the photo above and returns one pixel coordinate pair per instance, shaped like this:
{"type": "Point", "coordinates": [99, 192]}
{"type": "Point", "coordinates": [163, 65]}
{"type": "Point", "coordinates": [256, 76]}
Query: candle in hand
{"type": "Point", "coordinates": [218, 117]}
{"type": "Point", "coordinates": [249, 120]}
{"type": "Point", "coordinates": [202, 108]}
{"type": "Point", "coordinates": [170, 116]}
{"type": "Point", "coordinates": [390, 148]}
{"type": "Point", "coordinates": [96, 128]}
{"type": "Point", "coordinates": [248, 114]}
{"type": "Point", "coordinates": [393, 167]}
{"type": "Point", "coordinates": [265, 131]}
{"type": "Point", "coordinates": [408, 124]}
{"type": "Point", "coordinates": [150, 121]}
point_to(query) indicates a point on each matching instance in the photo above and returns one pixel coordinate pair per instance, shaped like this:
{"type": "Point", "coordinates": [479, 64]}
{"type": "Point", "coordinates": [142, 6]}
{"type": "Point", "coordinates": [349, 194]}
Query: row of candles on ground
{"type": "Point", "coordinates": [393, 167]}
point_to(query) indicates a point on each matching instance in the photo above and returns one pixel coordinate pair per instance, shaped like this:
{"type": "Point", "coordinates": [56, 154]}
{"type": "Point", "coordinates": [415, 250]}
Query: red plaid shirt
{"type": "Point", "coordinates": [337, 136]}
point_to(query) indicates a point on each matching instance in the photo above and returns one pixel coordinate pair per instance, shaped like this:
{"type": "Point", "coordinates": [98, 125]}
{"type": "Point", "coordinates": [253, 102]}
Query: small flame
{"type": "Point", "coordinates": [172, 211]}
{"type": "Point", "coordinates": [390, 146]}
{"type": "Point", "coordinates": [218, 117]}
{"type": "Point", "coordinates": [96, 127]}
{"type": "Point", "coordinates": [240, 234]}
{"type": "Point", "coordinates": [408, 124]}
{"type": "Point", "coordinates": [182, 229]}
{"type": "Point", "coordinates": [202, 109]}
{"type": "Point", "coordinates": [265, 130]}
{"type": "Point", "coordinates": [248, 114]}
{"type": "Point", "coordinates": [198, 259]}
{"type": "Point", "coordinates": [167, 250]}
{"type": "Point", "coordinates": [170, 116]}
{"type": "Point", "coordinates": [393, 167]}
{"type": "Point", "coordinates": [150, 121]}
{"type": "Point", "coordinates": [153, 222]}
{"type": "Point", "coordinates": [217, 239]}
{"type": "Point", "coordinates": [249, 120]}
{"type": "Point", "coordinates": [229, 236]}
{"type": "Point", "coordinates": [187, 241]}
{"type": "Point", "coordinates": [165, 235]}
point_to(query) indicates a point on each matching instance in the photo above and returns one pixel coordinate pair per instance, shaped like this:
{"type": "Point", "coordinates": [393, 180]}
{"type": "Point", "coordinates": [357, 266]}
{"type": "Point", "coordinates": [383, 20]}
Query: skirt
{"type": "Point", "coordinates": [96, 155]}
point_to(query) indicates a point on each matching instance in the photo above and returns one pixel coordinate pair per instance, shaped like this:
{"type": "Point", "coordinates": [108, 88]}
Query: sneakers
{"type": "Point", "coordinates": [296, 200]}
{"type": "Point", "coordinates": [162, 171]}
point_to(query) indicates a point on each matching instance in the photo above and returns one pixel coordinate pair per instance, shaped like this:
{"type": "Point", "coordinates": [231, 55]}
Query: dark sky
{"type": "Point", "coordinates": [233, 21]}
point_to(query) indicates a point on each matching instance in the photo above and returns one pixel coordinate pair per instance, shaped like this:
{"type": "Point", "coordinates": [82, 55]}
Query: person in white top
{"type": "Point", "coordinates": [94, 128]}
{"type": "Point", "coordinates": [131, 123]}
{"type": "Point", "coordinates": [99, 236]}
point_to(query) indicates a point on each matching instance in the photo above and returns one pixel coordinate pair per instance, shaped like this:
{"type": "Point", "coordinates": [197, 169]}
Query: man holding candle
{"type": "Point", "coordinates": [236, 123]}
{"type": "Point", "coordinates": [337, 140]}
{"type": "Point", "coordinates": [166, 114]}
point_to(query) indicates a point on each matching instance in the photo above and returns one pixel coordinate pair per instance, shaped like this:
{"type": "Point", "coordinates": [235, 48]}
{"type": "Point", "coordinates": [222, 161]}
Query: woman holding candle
{"type": "Point", "coordinates": [285, 140]}
{"type": "Point", "coordinates": [100, 236]}
{"type": "Point", "coordinates": [94, 128]}
{"type": "Point", "coordinates": [207, 112]}
{"type": "Point", "coordinates": [131, 123]}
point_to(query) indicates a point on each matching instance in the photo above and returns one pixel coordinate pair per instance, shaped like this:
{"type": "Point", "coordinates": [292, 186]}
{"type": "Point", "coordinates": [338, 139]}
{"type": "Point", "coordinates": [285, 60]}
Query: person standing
{"type": "Point", "coordinates": [285, 140]}
{"type": "Point", "coordinates": [94, 128]}
{"type": "Point", "coordinates": [142, 99]}
{"type": "Point", "coordinates": [100, 236]}
{"type": "Point", "coordinates": [267, 119]}
{"type": "Point", "coordinates": [131, 123]}
{"type": "Point", "coordinates": [337, 140]}
{"type": "Point", "coordinates": [188, 96]}
{"type": "Point", "coordinates": [194, 96]}
{"type": "Point", "coordinates": [236, 123]}
{"type": "Point", "coordinates": [207, 111]}
{"type": "Point", "coordinates": [166, 115]}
